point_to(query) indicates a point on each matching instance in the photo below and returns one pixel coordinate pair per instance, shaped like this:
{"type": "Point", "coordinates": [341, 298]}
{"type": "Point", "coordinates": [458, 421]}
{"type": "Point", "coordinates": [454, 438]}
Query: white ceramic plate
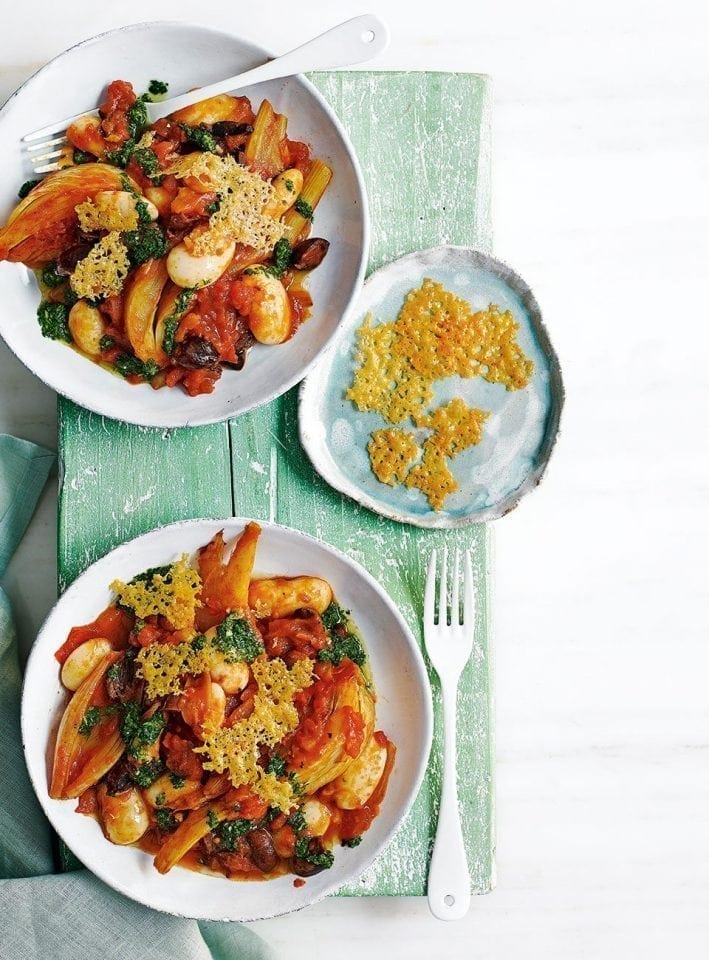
{"type": "Point", "coordinates": [185, 56]}
{"type": "Point", "coordinates": [403, 711]}
{"type": "Point", "coordinates": [518, 436]}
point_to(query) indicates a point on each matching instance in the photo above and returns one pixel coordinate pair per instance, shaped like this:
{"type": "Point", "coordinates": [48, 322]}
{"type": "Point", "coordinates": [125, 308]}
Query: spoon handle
{"type": "Point", "coordinates": [348, 43]}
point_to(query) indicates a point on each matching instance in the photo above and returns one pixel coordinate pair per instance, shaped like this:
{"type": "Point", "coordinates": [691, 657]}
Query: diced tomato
{"type": "Point", "coordinates": [250, 807]}
{"type": "Point", "coordinates": [149, 634]}
{"type": "Point", "coordinates": [242, 111]}
{"type": "Point", "coordinates": [241, 297]}
{"type": "Point", "coordinates": [301, 302]}
{"type": "Point", "coordinates": [114, 118]}
{"type": "Point", "coordinates": [87, 802]}
{"type": "Point", "coordinates": [113, 624]}
{"type": "Point", "coordinates": [119, 96]}
{"type": "Point", "coordinates": [201, 381]}
{"type": "Point", "coordinates": [189, 202]}
{"type": "Point", "coordinates": [297, 154]}
{"type": "Point", "coordinates": [180, 757]}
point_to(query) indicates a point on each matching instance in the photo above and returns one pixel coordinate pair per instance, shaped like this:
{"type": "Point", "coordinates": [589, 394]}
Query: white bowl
{"type": "Point", "coordinates": [403, 711]}
{"type": "Point", "coordinates": [185, 56]}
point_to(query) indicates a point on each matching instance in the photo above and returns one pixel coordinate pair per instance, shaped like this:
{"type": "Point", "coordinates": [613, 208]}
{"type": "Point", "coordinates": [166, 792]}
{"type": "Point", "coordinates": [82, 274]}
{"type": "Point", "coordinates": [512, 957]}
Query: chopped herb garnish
{"type": "Point", "coordinates": [303, 208]}
{"type": "Point", "coordinates": [53, 321]}
{"type": "Point", "coordinates": [160, 800]}
{"type": "Point", "coordinates": [130, 724]}
{"type": "Point", "coordinates": [147, 773]}
{"type": "Point", "coordinates": [297, 820]}
{"type": "Point", "coordinates": [276, 765]}
{"type": "Point", "coordinates": [105, 343]}
{"type": "Point", "coordinates": [165, 820]}
{"type": "Point", "coordinates": [157, 88]}
{"type": "Point", "coordinates": [89, 721]}
{"type": "Point", "coordinates": [81, 156]}
{"type": "Point", "coordinates": [320, 858]}
{"type": "Point", "coordinates": [176, 780]}
{"type": "Point", "coordinates": [50, 277]}
{"type": "Point", "coordinates": [148, 163]}
{"type": "Point", "coordinates": [202, 138]}
{"type": "Point", "coordinates": [137, 117]}
{"type": "Point", "coordinates": [172, 321]}
{"type": "Point", "coordinates": [146, 243]}
{"type": "Point", "coordinates": [231, 830]}
{"type": "Point", "coordinates": [351, 842]}
{"type": "Point", "coordinates": [344, 644]}
{"type": "Point", "coordinates": [290, 186]}
{"type": "Point", "coordinates": [212, 820]}
{"type": "Point", "coordinates": [128, 365]}
{"type": "Point", "coordinates": [121, 155]}
{"type": "Point", "coordinates": [26, 187]}
{"type": "Point", "coordinates": [141, 208]}
{"type": "Point", "coordinates": [147, 575]}
{"type": "Point", "coordinates": [199, 642]}
{"type": "Point", "coordinates": [237, 640]}
{"type": "Point", "coordinates": [114, 671]}
{"type": "Point", "coordinates": [282, 253]}
{"type": "Point", "coordinates": [214, 205]}
{"type": "Point", "coordinates": [295, 785]}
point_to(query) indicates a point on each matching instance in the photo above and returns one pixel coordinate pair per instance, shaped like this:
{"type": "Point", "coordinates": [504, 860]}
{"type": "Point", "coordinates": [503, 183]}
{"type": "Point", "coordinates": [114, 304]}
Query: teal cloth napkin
{"type": "Point", "coordinates": [72, 915]}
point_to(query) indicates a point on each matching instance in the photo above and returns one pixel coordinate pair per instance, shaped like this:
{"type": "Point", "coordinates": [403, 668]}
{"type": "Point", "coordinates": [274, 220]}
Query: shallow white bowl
{"type": "Point", "coordinates": [403, 711]}
{"type": "Point", "coordinates": [185, 56]}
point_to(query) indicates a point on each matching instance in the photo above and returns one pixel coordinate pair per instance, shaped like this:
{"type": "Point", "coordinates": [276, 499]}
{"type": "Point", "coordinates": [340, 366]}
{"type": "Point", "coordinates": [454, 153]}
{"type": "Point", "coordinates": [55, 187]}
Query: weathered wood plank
{"type": "Point", "coordinates": [423, 141]}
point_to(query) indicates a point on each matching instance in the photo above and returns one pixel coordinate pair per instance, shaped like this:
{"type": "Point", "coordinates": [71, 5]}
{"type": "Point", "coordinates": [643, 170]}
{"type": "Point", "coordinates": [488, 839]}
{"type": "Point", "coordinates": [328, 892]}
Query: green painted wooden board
{"type": "Point", "coordinates": [423, 140]}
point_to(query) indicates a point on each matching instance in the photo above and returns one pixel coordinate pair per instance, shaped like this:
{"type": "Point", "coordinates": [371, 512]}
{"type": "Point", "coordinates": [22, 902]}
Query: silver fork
{"type": "Point", "coordinates": [449, 646]}
{"type": "Point", "coordinates": [353, 41]}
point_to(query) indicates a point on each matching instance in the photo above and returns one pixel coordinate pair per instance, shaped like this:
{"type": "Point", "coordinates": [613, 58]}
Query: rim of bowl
{"type": "Point", "coordinates": [418, 662]}
{"type": "Point", "coordinates": [196, 421]}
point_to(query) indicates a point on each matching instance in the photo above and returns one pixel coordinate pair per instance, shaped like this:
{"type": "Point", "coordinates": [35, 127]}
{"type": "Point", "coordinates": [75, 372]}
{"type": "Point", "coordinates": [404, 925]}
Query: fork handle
{"type": "Point", "coordinates": [448, 877]}
{"type": "Point", "coordinates": [353, 41]}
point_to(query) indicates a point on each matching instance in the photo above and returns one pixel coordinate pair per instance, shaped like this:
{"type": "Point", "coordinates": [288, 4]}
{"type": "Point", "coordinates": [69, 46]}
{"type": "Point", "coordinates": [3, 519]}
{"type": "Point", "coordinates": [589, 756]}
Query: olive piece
{"type": "Point", "coordinates": [309, 253]}
{"type": "Point", "coordinates": [228, 128]}
{"type": "Point", "coordinates": [195, 353]}
{"type": "Point", "coordinates": [118, 778]}
{"type": "Point", "coordinates": [67, 261]}
{"type": "Point", "coordinates": [263, 853]}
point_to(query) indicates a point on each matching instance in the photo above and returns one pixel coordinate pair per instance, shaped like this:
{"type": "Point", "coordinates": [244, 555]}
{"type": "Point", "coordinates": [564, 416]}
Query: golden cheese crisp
{"type": "Point", "coordinates": [384, 382]}
{"type": "Point", "coordinates": [391, 453]}
{"type": "Point", "coordinates": [440, 335]}
{"type": "Point", "coordinates": [236, 749]}
{"type": "Point", "coordinates": [242, 198]}
{"type": "Point", "coordinates": [456, 426]}
{"type": "Point", "coordinates": [103, 271]}
{"type": "Point", "coordinates": [102, 213]}
{"type": "Point", "coordinates": [164, 665]}
{"type": "Point", "coordinates": [432, 476]}
{"type": "Point", "coordinates": [171, 593]}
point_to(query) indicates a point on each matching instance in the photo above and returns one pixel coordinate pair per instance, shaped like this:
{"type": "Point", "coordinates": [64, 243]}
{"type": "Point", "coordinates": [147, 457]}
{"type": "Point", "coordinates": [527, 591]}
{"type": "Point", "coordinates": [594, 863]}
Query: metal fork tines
{"type": "Point", "coordinates": [449, 642]}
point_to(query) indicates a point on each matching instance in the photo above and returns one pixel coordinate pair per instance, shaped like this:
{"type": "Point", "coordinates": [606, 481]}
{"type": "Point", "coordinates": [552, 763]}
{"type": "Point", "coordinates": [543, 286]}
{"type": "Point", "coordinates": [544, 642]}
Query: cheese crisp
{"type": "Point", "coordinates": [171, 593]}
{"type": "Point", "coordinates": [242, 198]}
{"type": "Point", "coordinates": [435, 336]}
{"type": "Point", "coordinates": [235, 749]}
{"type": "Point", "coordinates": [432, 476]}
{"type": "Point", "coordinates": [391, 453]}
{"type": "Point", "coordinates": [456, 426]}
{"type": "Point", "coordinates": [103, 271]}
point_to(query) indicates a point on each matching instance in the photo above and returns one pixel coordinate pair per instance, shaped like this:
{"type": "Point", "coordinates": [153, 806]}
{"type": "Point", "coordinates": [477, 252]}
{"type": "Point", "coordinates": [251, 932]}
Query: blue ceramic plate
{"type": "Point", "coordinates": [518, 436]}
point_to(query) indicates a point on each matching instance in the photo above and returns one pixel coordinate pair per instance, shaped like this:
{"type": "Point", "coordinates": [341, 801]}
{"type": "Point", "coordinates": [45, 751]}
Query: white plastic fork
{"type": "Point", "coordinates": [449, 646]}
{"type": "Point", "coordinates": [351, 42]}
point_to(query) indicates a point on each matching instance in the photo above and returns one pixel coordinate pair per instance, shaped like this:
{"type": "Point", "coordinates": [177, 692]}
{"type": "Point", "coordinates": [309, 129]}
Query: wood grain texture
{"type": "Point", "coordinates": [423, 140]}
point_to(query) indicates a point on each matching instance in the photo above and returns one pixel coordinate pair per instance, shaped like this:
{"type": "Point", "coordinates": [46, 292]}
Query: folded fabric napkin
{"type": "Point", "coordinates": [44, 914]}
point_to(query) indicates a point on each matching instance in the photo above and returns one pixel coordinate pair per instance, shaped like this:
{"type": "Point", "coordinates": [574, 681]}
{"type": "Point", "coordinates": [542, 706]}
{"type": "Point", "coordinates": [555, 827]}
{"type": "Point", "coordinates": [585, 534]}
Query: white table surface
{"type": "Point", "coordinates": [601, 169]}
